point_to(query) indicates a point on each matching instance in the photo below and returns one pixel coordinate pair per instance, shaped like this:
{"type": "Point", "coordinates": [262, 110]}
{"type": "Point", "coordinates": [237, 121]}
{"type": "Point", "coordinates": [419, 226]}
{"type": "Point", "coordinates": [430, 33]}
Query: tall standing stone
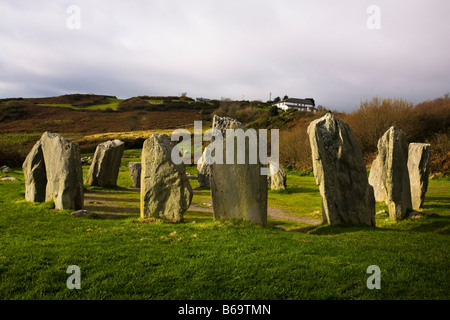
{"type": "Point", "coordinates": [418, 168]}
{"type": "Point", "coordinates": [105, 165]}
{"type": "Point", "coordinates": [135, 173]}
{"type": "Point", "coordinates": [203, 168]}
{"type": "Point", "coordinates": [239, 191]}
{"type": "Point", "coordinates": [64, 173]}
{"type": "Point", "coordinates": [389, 173]}
{"type": "Point", "coordinates": [347, 197]}
{"type": "Point", "coordinates": [165, 189]}
{"type": "Point", "coordinates": [277, 176]}
{"type": "Point", "coordinates": [35, 175]}
{"type": "Point", "coordinates": [204, 171]}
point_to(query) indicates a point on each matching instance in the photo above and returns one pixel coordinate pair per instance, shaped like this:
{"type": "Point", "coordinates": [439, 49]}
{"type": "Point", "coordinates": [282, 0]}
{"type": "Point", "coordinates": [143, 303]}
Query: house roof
{"type": "Point", "coordinates": [295, 100]}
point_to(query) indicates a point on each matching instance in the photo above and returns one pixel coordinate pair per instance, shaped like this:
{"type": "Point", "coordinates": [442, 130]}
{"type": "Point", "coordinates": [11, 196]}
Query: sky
{"type": "Point", "coordinates": [338, 52]}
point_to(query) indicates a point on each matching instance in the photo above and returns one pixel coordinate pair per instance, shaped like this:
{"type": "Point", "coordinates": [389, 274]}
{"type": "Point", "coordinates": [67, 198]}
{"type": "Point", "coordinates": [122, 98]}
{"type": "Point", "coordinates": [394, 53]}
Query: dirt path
{"type": "Point", "coordinates": [274, 213]}
{"type": "Point", "coordinates": [114, 204]}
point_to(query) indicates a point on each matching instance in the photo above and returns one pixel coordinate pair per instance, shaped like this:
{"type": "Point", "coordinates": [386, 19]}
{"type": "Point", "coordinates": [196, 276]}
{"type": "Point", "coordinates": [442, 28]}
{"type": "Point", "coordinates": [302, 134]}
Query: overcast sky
{"type": "Point", "coordinates": [337, 52]}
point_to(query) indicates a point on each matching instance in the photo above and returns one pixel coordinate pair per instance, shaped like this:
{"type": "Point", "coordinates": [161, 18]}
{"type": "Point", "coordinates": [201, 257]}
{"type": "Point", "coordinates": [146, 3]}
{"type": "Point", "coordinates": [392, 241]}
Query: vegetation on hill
{"type": "Point", "coordinates": [79, 115]}
{"type": "Point", "coordinates": [427, 122]}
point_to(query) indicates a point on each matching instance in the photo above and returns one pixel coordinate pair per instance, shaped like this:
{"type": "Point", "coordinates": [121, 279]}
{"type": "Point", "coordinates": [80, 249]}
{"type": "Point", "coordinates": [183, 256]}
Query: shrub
{"type": "Point", "coordinates": [440, 153]}
{"type": "Point", "coordinates": [295, 149]}
{"type": "Point", "coordinates": [12, 110]}
{"type": "Point", "coordinates": [433, 116]}
{"type": "Point", "coordinates": [374, 117]}
{"type": "Point", "coordinates": [244, 111]}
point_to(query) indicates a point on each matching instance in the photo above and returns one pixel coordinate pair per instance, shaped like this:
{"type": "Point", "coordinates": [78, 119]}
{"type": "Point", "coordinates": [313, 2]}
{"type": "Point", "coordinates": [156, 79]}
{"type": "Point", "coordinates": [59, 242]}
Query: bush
{"type": "Point", "coordinates": [433, 116]}
{"type": "Point", "coordinates": [295, 149]}
{"type": "Point", "coordinates": [244, 111]}
{"type": "Point", "coordinates": [440, 153]}
{"type": "Point", "coordinates": [374, 117]}
{"type": "Point", "coordinates": [13, 110]}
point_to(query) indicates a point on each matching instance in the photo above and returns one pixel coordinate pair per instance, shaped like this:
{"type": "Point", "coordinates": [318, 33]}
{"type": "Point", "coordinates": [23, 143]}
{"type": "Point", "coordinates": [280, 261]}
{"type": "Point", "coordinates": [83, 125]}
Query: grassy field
{"type": "Point", "coordinates": [124, 257]}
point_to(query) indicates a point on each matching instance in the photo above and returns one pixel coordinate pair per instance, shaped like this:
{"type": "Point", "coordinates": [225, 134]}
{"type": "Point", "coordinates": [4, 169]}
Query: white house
{"type": "Point", "coordinates": [299, 104]}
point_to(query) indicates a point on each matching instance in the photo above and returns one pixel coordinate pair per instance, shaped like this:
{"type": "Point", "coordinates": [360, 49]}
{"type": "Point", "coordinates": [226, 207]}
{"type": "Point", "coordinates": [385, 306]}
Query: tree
{"type": "Point", "coordinates": [273, 111]}
{"type": "Point", "coordinates": [285, 97]}
{"type": "Point", "coordinates": [277, 99]}
{"type": "Point", "coordinates": [312, 100]}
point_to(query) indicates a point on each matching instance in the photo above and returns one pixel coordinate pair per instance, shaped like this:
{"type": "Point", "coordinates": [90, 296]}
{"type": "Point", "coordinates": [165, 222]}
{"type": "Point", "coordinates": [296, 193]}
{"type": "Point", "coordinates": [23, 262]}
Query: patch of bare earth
{"type": "Point", "coordinates": [274, 213]}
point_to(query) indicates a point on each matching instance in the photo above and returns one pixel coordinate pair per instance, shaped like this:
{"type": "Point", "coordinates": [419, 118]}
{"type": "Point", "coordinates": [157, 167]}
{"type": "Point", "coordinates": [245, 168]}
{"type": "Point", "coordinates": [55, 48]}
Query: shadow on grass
{"type": "Point", "coordinates": [436, 205]}
{"type": "Point", "coordinates": [299, 189]}
{"type": "Point", "coordinates": [202, 191]}
{"type": "Point", "coordinates": [438, 224]}
{"type": "Point", "coordinates": [326, 230]}
{"type": "Point", "coordinates": [109, 199]}
{"type": "Point", "coordinates": [111, 216]}
{"type": "Point", "coordinates": [96, 189]}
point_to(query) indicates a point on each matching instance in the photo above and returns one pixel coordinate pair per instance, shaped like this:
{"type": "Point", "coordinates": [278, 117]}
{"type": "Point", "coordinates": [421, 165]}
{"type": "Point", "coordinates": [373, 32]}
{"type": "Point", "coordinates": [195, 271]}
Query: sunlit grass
{"type": "Point", "coordinates": [122, 256]}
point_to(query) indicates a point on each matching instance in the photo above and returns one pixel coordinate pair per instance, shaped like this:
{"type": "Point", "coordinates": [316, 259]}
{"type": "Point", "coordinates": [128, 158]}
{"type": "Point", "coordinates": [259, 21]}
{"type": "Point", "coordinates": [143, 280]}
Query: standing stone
{"type": "Point", "coordinates": [204, 171]}
{"type": "Point", "coordinates": [418, 168]}
{"type": "Point", "coordinates": [104, 169]}
{"type": "Point", "coordinates": [35, 174]}
{"type": "Point", "coordinates": [239, 191]}
{"type": "Point", "coordinates": [277, 176]}
{"type": "Point", "coordinates": [389, 173]}
{"type": "Point", "coordinates": [64, 173]}
{"type": "Point", "coordinates": [203, 168]}
{"type": "Point", "coordinates": [5, 169]}
{"type": "Point", "coordinates": [135, 173]}
{"type": "Point", "coordinates": [224, 123]}
{"type": "Point", "coordinates": [347, 197]}
{"type": "Point", "coordinates": [165, 189]}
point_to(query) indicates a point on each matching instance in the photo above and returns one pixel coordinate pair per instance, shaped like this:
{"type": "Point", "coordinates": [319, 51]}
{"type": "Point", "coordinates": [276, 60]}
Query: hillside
{"type": "Point", "coordinates": [76, 116]}
{"type": "Point", "coordinates": [85, 117]}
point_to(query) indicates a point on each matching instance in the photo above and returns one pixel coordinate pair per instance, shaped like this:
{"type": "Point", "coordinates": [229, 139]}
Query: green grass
{"type": "Point", "coordinates": [301, 197]}
{"type": "Point", "coordinates": [58, 105]}
{"type": "Point", "coordinates": [125, 257]}
{"type": "Point", "coordinates": [113, 103]}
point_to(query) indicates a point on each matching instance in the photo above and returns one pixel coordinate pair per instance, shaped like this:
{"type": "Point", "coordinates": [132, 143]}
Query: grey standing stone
{"type": "Point", "coordinates": [204, 170]}
{"type": "Point", "coordinates": [239, 191]}
{"type": "Point", "coordinates": [35, 174]}
{"type": "Point", "coordinates": [389, 173]}
{"type": "Point", "coordinates": [277, 176]}
{"type": "Point", "coordinates": [135, 173]}
{"type": "Point", "coordinates": [105, 165]}
{"type": "Point", "coordinates": [8, 179]}
{"type": "Point", "coordinates": [203, 167]}
{"type": "Point", "coordinates": [224, 123]}
{"type": "Point", "coordinates": [165, 189]}
{"type": "Point", "coordinates": [418, 168]}
{"type": "Point", "coordinates": [64, 173]}
{"type": "Point", "coordinates": [347, 197]}
{"type": "Point", "coordinates": [6, 169]}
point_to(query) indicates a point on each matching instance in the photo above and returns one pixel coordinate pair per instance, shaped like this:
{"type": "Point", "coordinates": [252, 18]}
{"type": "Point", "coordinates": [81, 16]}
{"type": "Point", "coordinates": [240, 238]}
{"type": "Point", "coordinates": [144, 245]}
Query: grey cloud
{"type": "Point", "coordinates": [321, 49]}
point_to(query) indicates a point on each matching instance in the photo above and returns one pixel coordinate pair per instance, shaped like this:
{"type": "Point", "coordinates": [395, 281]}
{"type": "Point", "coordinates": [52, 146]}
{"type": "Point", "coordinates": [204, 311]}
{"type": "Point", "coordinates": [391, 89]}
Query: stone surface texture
{"type": "Point", "coordinates": [239, 191]}
{"type": "Point", "coordinates": [105, 165]}
{"type": "Point", "coordinates": [35, 174]}
{"type": "Point", "coordinates": [419, 170]}
{"type": "Point", "coordinates": [165, 189]}
{"type": "Point", "coordinates": [63, 170]}
{"type": "Point", "coordinates": [277, 176]}
{"type": "Point", "coordinates": [135, 173]}
{"type": "Point", "coordinates": [339, 170]}
{"type": "Point", "coordinates": [389, 173]}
